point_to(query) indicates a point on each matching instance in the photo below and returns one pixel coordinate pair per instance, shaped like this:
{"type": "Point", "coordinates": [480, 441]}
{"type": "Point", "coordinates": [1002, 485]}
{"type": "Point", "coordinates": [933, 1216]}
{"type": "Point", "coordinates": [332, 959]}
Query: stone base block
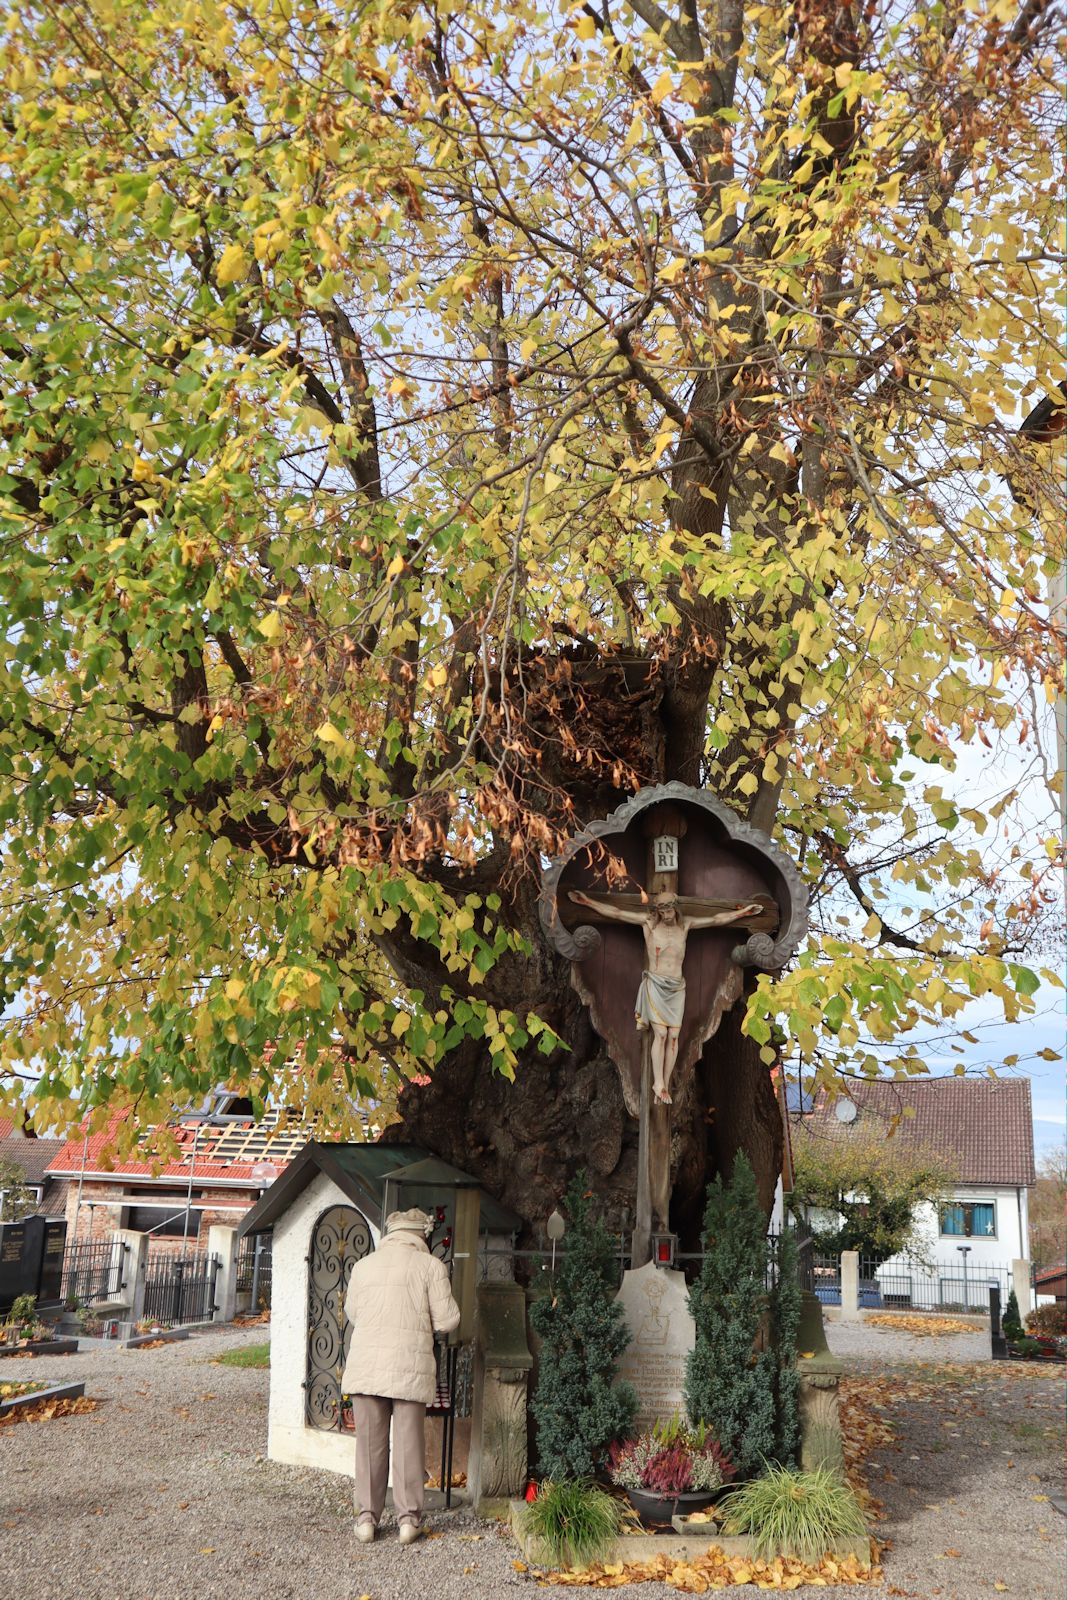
{"type": "Point", "coordinates": [57, 1391]}
{"type": "Point", "coordinates": [634, 1547]}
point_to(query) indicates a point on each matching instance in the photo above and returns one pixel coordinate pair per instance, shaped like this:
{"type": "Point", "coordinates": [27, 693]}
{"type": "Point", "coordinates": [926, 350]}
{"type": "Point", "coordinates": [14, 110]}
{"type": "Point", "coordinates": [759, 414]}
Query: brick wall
{"type": "Point", "coordinates": [100, 1212]}
{"type": "Point", "coordinates": [103, 1202]}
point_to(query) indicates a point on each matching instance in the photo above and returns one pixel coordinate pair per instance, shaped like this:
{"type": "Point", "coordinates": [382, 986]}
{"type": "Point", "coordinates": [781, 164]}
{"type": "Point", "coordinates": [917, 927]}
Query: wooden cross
{"type": "Point", "coordinates": [661, 999]}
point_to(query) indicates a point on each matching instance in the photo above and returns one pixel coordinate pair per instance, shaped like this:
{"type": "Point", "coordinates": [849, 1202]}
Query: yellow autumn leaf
{"type": "Point", "coordinates": [270, 626]}
{"type": "Point", "coordinates": [233, 264]}
{"type": "Point", "coordinates": [586, 28]}
{"type": "Point", "coordinates": [662, 87]}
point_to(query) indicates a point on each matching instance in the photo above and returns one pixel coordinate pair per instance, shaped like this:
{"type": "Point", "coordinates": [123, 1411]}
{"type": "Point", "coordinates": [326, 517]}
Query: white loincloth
{"type": "Point", "coordinates": [660, 1001]}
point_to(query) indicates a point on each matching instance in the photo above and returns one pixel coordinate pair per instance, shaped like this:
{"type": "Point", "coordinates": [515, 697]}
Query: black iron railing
{"type": "Point", "coordinates": [254, 1262]}
{"type": "Point", "coordinates": [93, 1271]}
{"type": "Point", "coordinates": [180, 1288]}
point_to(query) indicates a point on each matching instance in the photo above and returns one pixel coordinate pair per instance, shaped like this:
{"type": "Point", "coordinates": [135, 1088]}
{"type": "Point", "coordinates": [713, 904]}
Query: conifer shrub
{"type": "Point", "coordinates": [748, 1398]}
{"type": "Point", "coordinates": [578, 1406]}
{"type": "Point", "coordinates": [1012, 1322]}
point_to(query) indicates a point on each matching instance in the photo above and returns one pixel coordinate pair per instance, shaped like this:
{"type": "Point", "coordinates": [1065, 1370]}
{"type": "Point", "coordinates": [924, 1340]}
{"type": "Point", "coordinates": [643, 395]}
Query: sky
{"type": "Point", "coordinates": [979, 779]}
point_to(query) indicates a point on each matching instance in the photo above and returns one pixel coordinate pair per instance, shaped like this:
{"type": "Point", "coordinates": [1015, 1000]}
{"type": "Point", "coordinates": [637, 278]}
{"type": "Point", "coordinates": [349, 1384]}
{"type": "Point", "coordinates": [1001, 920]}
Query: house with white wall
{"type": "Point", "coordinates": [983, 1128]}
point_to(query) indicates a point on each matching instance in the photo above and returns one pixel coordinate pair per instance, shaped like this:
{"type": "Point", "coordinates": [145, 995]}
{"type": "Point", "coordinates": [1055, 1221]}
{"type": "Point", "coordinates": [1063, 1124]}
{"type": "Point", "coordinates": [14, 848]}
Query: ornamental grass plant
{"type": "Point", "coordinates": [575, 1523]}
{"type": "Point", "coordinates": [803, 1514]}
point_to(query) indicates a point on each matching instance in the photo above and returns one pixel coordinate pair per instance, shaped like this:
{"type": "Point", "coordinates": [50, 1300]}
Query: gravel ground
{"type": "Point", "coordinates": [164, 1490]}
{"type": "Point", "coordinates": [871, 1339]}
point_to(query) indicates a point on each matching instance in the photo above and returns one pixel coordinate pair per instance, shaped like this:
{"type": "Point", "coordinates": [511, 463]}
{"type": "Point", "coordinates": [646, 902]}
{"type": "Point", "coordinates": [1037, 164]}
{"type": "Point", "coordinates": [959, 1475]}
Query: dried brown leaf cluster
{"type": "Point", "coordinates": [716, 1570]}
{"type": "Point", "coordinates": [47, 1410]}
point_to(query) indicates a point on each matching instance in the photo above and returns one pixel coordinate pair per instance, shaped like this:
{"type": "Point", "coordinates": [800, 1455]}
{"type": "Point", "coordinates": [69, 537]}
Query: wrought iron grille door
{"type": "Point", "coordinates": [340, 1238]}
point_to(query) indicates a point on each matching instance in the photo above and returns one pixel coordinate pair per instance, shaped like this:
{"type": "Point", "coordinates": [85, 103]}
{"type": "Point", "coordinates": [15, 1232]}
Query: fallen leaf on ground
{"type": "Point", "coordinates": [923, 1324]}
{"type": "Point", "coordinates": [715, 1570]}
{"type": "Point", "coordinates": [46, 1410]}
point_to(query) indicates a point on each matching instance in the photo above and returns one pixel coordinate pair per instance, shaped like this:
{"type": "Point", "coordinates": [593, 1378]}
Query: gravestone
{"type": "Point", "coordinates": [656, 1303]}
{"type": "Point", "coordinates": [16, 1274]}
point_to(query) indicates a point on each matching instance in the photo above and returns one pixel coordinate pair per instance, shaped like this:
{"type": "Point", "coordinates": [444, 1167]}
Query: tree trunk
{"type": "Point", "coordinates": [564, 1114]}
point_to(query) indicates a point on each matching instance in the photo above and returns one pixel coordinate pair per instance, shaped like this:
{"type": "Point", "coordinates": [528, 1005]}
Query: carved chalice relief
{"type": "Point", "coordinates": [660, 1004]}
{"type": "Point", "coordinates": [654, 1326]}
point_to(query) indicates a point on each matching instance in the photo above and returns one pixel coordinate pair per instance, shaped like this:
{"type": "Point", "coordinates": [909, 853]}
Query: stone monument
{"type": "Point", "coordinates": [656, 1302]}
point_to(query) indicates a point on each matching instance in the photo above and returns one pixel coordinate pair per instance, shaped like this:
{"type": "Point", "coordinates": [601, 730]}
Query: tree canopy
{"type": "Point", "coordinates": [859, 1190]}
{"type": "Point", "coordinates": [423, 424]}
{"type": "Point", "coordinates": [1048, 1209]}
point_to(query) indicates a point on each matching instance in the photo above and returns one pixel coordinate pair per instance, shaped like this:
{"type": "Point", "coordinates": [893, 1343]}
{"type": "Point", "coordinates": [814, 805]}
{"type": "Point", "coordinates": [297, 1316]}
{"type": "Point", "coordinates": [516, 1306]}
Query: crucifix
{"type": "Point", "coordinates": [666, 919]}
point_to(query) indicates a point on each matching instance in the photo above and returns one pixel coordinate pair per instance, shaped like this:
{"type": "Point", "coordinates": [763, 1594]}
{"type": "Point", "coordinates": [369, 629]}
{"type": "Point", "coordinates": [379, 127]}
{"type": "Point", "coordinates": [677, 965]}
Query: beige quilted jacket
{"type": "Point", "coordinates": [398, 1298]}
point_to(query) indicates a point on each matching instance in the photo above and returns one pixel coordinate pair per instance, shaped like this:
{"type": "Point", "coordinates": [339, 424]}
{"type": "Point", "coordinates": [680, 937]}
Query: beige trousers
{"type": "Point", "coordinates": [371, 1415]}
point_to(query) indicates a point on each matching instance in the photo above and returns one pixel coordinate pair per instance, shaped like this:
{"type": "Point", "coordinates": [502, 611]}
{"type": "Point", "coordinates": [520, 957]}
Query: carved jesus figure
{"type": "Point", "coordinates": [661, 998]}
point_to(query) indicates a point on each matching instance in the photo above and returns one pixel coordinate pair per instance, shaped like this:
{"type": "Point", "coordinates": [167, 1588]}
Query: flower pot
{"type": "Point", "coordinates": [658, 1509]}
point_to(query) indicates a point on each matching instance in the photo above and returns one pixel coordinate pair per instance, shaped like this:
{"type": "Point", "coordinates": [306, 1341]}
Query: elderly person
{"type": "Point", "coordinates": [398, 1297]}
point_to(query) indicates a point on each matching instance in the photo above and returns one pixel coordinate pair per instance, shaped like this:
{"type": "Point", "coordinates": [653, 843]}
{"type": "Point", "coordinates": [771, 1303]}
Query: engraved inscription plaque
{"type": "Point", "coordinates": [661, 1336]}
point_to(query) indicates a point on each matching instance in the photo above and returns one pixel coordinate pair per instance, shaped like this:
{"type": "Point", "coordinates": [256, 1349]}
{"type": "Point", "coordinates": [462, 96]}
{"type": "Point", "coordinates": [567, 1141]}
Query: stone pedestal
{"type": "Point", "coordinates": [820, 1376]}
{"type": "Point", "coordinates": [131, 1256]}
{"type": "Point", "coordinates": [222, 1242]}
{"type": "Point", "coordinates": [850, 1285]}
{"type": "Point", "coordinates": [502, 1362]}
{"type": "Point", "coordinates": [662, 1334]}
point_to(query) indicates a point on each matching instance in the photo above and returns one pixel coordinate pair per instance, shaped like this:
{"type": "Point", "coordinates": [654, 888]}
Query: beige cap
{"type": "Point", "coordinates": [413, 1221]}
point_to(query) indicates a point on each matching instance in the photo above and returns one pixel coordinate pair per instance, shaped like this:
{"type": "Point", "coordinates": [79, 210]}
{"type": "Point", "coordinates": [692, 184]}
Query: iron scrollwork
{"type": "Point", "coordinates": [340, 1238]}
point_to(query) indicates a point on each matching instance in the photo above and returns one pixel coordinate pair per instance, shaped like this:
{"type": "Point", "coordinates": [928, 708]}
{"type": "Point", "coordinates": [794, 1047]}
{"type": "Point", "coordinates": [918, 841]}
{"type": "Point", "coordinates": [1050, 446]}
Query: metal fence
{"type": "Point", "coordinates": [254, 1262]}
{"type": "Point", "coordinates": [181, 1288]}
{"type": "Point", "coordinates": [906, 1284]}
{"type": "Point", "coordinates": [536, 1265]}
{"type": "Point", "coordinates": [93, 1271]}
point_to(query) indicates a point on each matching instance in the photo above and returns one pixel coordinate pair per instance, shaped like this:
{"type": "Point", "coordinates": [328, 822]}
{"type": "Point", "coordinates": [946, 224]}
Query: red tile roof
{"type": "Point", "coordinates": [985, 1128]}
{"type": "Point", "coordinates": [78, 1154]}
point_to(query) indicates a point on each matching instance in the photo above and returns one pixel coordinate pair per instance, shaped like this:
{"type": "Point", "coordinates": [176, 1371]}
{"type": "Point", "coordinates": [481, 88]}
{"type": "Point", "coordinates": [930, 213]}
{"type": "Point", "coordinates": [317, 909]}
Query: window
{"type": "Point", "coordinates": [165, 1222]}
{"type": "Point", "coordinates": [970, 1219]}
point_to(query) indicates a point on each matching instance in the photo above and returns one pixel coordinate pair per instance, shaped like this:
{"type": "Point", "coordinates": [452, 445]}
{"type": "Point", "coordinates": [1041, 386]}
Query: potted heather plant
{"type": "Point", "coordinates": [674, 1469]}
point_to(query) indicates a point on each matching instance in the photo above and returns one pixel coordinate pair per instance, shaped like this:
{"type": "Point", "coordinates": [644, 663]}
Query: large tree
{"type": "Point", "coordinates": [1048, 1209]}
{"type": "Point", "coordinates": [423, 425]}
